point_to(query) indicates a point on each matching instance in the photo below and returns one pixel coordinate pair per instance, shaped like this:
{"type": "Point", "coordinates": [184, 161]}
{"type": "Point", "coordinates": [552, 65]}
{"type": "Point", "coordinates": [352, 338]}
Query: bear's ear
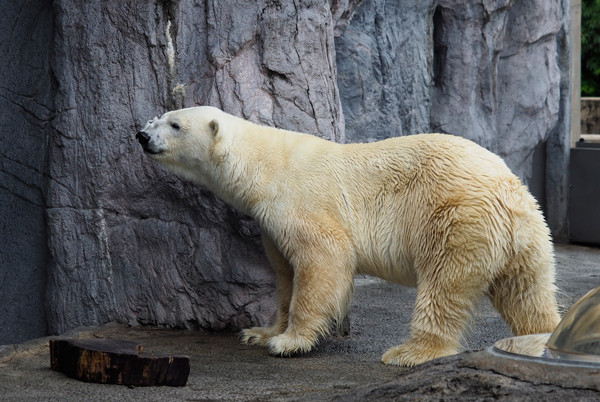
{"type": "Point", "coordinates": [213, 127]}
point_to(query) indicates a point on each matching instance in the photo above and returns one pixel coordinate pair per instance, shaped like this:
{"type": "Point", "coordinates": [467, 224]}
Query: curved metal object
{"type": "Point", "coordinates": [577, 336]}
{"type": "Point", "coordinates": [576, 339]}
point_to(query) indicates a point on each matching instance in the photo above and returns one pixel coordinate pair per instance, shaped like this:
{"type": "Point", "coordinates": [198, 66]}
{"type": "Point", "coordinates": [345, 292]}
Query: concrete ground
{"type": "Point", "coordinates": [341, 368]}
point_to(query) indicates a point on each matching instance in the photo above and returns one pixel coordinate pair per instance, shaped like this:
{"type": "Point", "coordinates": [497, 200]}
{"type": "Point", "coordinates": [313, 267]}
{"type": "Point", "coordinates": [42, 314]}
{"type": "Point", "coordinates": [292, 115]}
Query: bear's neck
{"type": "Point", "coordinates": [256, 166]}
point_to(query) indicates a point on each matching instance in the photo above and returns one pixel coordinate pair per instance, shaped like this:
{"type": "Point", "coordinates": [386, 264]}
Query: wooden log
{"type": "Point", "coordinates": [113, 361]}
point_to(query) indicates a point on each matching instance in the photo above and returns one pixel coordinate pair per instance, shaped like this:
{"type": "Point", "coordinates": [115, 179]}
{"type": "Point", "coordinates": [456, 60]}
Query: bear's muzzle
{"type": "Point", "coordinates": [144, 140]}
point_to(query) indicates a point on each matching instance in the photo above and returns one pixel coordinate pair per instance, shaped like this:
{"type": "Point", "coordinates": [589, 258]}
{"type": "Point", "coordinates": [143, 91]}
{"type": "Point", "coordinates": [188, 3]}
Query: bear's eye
{"type": "Point", "coordinates": [175, 126]}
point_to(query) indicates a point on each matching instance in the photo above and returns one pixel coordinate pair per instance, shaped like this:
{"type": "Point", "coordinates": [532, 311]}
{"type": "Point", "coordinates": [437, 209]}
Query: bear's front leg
{"type": "Point", "coordinates": [284, 286]}
{"type": "Point", "coordinates": [260, 335]}
{"type": "Point", "coordinates": [322, 292]}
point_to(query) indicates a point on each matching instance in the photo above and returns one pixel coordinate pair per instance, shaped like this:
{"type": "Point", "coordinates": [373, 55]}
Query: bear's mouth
{"type": "Point", "coordinates": [151, 151]}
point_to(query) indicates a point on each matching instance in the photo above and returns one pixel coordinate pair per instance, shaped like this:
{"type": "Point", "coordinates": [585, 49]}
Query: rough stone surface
{"type": "Point", "coordinates": [499, 71]}
{"type": "Point", "coordinates": [453, 379]}
{"type": "Point", "coordinates": [94, 232]}
{"type": "Point", "coordinates": [128, 241]}
{"type": "Point", "coordinates": [26, 107]}
{"type": "Point", "coordinates": [500, 86]}
{"type": "Point", "coordinates": [384, 69]}
{"type": "Point", "coordinates": [494, 72]}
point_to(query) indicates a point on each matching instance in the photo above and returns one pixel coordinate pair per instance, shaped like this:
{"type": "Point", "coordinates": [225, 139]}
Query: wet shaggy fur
{"type": "Point", "coordinates": [433, 211]}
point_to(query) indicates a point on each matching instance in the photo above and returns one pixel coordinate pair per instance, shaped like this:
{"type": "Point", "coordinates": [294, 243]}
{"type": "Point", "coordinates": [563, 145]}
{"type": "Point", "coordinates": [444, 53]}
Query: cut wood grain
{"type": "Point", "coordinates": [113, 361]}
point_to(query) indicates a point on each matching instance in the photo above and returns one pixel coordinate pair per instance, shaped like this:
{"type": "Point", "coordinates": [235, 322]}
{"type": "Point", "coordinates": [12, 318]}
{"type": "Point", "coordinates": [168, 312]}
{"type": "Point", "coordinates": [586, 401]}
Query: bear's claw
{"type": "Point", "coordinates": [257, 335]}
{"type": "Point", "coordinates": [248, 340]}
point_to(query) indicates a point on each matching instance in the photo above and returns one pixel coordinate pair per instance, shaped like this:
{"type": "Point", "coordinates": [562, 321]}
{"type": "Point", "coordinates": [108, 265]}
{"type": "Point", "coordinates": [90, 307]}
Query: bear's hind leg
{"type": "Point", "coordinates": [284, 286]}
{"type": "Point", "coordinates": [525, 296]}
{"type": "Point", "coordinates": [446, 296]}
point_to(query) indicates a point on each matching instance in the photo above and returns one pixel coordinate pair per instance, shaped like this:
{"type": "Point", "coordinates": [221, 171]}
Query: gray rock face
{"type": "Point", "coordinates": [93, 231]}
{"type": "Point", "coordinates": [384, 69]}
{"type": "Point", "coordinates": [494, 72]}
{"type": "Point", "coordinates": [128, 241]}
{"type": "Point", "coordinates": [273, 63]}
{"type": "Point", "coordinates": [497, 76]}
{"type": "Point", "coordinates": [501, 75]}
{"type": "Point", "coordinates": [26, 108]}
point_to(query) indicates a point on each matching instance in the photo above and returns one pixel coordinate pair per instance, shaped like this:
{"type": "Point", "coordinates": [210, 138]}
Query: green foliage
{"type": "Point", "coordinates": [590, 48]}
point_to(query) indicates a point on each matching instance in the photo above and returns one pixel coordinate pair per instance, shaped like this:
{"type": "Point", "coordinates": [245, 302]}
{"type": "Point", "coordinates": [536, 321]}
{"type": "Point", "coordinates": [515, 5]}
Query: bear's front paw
{"type": "Point", "coordinates": [289, 344]}
{"type": "Point", "coordinates": [414, 353]}
{"type": "Point", "coordinates": [257, 335]}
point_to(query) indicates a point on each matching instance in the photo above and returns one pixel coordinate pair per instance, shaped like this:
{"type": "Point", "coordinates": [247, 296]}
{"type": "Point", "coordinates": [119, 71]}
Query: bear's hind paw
{"type": "Point", "coordinates": [409, 355]}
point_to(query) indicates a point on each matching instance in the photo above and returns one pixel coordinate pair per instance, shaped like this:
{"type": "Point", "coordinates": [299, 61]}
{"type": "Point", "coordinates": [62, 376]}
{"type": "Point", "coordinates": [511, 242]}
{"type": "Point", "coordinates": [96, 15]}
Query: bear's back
{"type": "Point", "coordinates": [416, 185]}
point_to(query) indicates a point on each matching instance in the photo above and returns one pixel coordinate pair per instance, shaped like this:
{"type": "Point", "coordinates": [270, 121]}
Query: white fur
{"type": "Point", "coordinates": [433, 211]}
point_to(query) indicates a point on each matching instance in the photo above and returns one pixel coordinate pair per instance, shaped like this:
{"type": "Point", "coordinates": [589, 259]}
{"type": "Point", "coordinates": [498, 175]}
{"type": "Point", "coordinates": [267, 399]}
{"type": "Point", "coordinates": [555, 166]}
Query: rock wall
{"type": "Point", "coordinates": [494, 72]}
{"type": "Point", "coordinates": [128, 241]}
{"type": "Point", "coordinates": [26, 108]}
{"type": "Point", "coordinates": [92, 231]}
{"type": "Point", "coordinates": [501, 78]}
{"type": "Point", "coordinates": [384, 63]}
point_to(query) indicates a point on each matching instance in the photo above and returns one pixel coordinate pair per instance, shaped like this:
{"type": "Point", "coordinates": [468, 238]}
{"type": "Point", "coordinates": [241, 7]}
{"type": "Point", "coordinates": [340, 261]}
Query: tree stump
{"type": "Point", "coordinates": [113, 361]}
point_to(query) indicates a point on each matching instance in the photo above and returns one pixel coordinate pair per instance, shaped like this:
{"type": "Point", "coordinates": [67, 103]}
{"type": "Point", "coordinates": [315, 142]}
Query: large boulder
{"type": "Point", "coordinates": [26, 109]}
{"type": "Point", "coordinates": [494, 72]}
{"type": "Point", "coordinates": [128, 241]}
{"type": "Point", "coordinates": [497, 77]}
{"type": "Point", "coordinates": [384, 69]}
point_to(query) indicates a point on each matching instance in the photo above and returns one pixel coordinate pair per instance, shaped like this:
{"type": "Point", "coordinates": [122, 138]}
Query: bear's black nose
{"type": "Point", "coordinates": [143, 138]}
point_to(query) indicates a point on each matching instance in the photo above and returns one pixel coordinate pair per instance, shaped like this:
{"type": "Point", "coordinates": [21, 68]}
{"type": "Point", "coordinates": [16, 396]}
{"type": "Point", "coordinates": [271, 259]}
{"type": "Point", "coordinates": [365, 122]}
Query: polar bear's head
{"type": "Point", "coordinates": [176, 133]}
{"type": "Point", "coordinates": [184, 140]}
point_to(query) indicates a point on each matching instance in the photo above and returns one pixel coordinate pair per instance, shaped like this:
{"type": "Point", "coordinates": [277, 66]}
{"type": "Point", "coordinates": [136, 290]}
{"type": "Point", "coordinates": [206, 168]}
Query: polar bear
{"type": "Point", "coordinates": [433, 211]}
